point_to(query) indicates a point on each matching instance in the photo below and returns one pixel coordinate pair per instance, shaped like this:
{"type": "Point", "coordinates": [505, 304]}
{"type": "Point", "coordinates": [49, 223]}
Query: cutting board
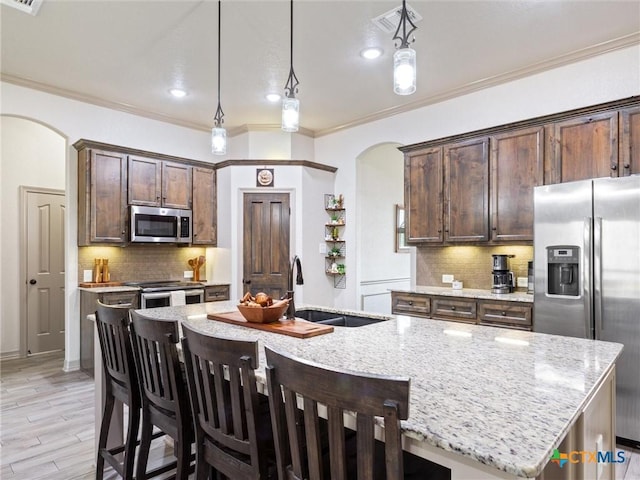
{"type": "Point", "coordinates": [294, 328]}
{"type": "Point", "coordinates": [101, 284]}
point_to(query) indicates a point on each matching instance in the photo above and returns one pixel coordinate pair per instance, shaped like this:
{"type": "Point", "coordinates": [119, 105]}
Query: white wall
{"type": "Point", "coordinates": [31, 155]}
{"type": "Point", "coordinates": [607, 77]}
{"type": "Point", "coordinates": [379, 188]}
{"type": "Point", "coordinates": [611, 76]}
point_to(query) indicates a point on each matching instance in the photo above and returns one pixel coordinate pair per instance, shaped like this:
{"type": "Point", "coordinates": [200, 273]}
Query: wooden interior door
{"type": "Point", "coordinates": [45, 271]}
{"type": "Point", "coordinates": [266, 243]}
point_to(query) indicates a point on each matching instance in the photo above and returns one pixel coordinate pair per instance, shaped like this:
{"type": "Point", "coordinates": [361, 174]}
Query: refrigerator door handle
{"type": "Point", "coordinates": [586, 277]}
{"type": "Point", "coordinates": [597, 275]}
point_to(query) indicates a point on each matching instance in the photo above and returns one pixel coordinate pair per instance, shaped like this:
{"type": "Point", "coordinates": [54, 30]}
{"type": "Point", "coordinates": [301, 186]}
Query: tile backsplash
{"type": "Point", "coordinates": [141, 262]}
{"type": "Point", "coordinates": [470, 264]}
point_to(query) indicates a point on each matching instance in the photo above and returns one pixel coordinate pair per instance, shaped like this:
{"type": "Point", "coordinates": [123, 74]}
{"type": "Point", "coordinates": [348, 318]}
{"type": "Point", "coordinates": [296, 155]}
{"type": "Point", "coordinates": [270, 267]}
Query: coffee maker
{"type": "Point", "coordinates": [503, 279]}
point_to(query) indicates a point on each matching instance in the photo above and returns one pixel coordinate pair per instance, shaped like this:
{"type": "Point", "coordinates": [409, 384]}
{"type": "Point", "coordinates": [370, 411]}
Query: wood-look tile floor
{"type": "Point", "coordinates": [47, 424]}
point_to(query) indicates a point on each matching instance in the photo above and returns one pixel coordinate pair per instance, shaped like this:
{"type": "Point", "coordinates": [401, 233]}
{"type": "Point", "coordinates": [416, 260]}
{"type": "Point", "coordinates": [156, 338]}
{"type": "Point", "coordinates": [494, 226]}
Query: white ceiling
{"type": "Point", "coordinates": [128, 54]}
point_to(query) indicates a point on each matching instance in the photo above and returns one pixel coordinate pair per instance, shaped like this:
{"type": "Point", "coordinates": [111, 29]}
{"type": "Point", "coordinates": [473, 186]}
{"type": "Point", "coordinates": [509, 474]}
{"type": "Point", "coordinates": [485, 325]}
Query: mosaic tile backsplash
{"type": "Point", "coordinates": [469, 264]}
{"type": "Point", "coordinates": [141, 262]}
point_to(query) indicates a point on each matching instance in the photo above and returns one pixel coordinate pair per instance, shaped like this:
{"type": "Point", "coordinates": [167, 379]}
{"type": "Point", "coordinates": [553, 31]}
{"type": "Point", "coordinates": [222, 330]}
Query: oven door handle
{"type": "Point", "coordinates": [156, 295]}
{"type": "Point", "coordinates": [194, 292]}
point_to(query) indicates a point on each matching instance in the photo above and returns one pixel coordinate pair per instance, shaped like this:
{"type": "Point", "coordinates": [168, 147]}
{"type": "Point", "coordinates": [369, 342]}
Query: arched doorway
{"type": "Point", "coordinates": [379, 190]}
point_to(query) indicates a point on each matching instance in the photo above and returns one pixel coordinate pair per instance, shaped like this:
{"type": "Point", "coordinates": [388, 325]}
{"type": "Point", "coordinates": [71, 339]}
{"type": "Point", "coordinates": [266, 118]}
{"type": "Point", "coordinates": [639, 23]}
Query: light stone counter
{"type": "Point", "coordinates": [122, 288]}
{"type": "Point", "coordinates": [470, 293]}
{"type": "Point", "coordinates": [486, 402]}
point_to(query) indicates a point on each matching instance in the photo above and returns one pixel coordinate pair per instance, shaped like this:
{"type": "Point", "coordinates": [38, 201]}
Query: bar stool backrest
{"type": "Point", "coordinates": [225, 404]}
{"type": "Point", "coordinates": [295, 383]}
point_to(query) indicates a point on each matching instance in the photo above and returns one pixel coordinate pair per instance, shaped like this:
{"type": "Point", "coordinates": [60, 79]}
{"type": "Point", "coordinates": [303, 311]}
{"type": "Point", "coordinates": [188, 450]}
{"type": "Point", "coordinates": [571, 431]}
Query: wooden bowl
{"type": "Point", "coordinates": [263, 314]}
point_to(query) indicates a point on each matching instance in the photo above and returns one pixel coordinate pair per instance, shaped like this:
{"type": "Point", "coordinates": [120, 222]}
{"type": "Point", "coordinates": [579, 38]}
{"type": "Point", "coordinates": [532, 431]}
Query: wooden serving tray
{"type": "Point", "coordinates": [101, 284]}
{"type": "Point", "coordinates": [294, 328]}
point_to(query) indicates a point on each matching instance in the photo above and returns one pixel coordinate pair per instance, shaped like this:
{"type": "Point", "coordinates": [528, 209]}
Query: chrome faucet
{"type": "Point", "coordinates": [291, 310]}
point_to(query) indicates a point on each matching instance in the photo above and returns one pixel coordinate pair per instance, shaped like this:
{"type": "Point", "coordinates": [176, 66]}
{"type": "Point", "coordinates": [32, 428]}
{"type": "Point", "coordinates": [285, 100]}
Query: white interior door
{"type": "Point", "coordinates": [45, 265]}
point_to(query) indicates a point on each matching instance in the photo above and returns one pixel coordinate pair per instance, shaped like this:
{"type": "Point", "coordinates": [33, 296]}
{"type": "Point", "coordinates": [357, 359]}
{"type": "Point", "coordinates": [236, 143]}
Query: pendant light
{"type": "Point", "coordinates": [290, 104]}
{"type": "Point", "coordinates": [218, 133]}
{"type": "Point", "coordinates": [404, 59]}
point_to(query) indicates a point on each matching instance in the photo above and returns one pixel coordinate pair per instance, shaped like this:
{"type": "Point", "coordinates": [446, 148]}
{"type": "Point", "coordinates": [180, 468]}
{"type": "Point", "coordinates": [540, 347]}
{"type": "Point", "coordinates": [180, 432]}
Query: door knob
{"type": "Point", "coordinates": [33, 281]}
{"type": "Point", "coordinates": [246, 282]}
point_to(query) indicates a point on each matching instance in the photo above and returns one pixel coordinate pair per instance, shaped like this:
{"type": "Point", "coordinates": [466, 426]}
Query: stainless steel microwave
{"type": "Point", "coordinates": [159, 225]}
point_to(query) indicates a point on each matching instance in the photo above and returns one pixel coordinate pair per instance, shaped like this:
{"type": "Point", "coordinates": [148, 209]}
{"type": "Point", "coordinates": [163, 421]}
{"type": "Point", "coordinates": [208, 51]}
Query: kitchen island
{"type": "Point", "coordinates": [487, 403]}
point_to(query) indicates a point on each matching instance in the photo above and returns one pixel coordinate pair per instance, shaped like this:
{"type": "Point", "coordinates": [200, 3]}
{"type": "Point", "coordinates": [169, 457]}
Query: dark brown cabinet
{"type": "Point", "coordinates": [466, 191]}
{"type": "Point", "coordinates": [410, 304]}
{"type": "Point", "coordinates": [517, 165]}
{"type": "Point", "coordinates": [216, 293]}
{"type": "Point", "coordinates": [204, 206]}
{"type": "Point", "coordinates": [501, 314]}
{"type": "Point", "coordinates": [629, 141]}
{"type": "Point", "coordinates": [102, 197]}
{"type": "Point", "coordinates": [88, 301]}
{"type": "Point", "coordinates": [582, 148]}
{"type": "Point", "coordinates": [159, 183]}
{"type": "Point", "coordinates": [423, 171]}
{"type": "Point", "coordinates": [497, 313]}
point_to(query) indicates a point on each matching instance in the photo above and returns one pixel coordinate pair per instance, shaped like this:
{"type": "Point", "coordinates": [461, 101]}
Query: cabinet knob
{"type": "Point", "coordinates": [494, 228]}
{"type": "Point", "coordinates": [439, 230]}
{"type": "Point", "coordinates": [614, 167]}
{"type": "Point", "coordinates": [627, 165]}
{"type": "Point", "coordinates": [32, 281]}
{"type": "Point", "coordinates": [504, 314]}
{"type": "Point", "coordinates": [453, 308]}
{"type": "Point", "coordinates": [410, 302]}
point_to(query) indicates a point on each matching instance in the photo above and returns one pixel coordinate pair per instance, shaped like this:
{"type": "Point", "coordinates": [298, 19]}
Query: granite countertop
{"type": "Point", "coordinates": [131, 288]}
{"type": "Point", "coordinates": [470, 293]}
{"type": "Point", "coordinates": [505, 405]}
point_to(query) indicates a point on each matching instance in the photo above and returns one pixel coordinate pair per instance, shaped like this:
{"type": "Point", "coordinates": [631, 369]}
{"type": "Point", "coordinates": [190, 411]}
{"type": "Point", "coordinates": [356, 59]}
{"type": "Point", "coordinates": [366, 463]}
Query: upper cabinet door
{"type": "Point", "coordinates": [145, 181]}
{"type": "Point", "coordinates": [630, 141]}
{"type": "Point", "coordinates": [516, 167]}
{"type": "Point", "coordinates": [466, 191]}
{"type": "Point", "coordinates": [176, 185]}
{"type": "Point", "coordinates": [423, 176]}
{"type": "Point", "coordinates": [583, 148]}
{"type": "Point", "coordinates": [204, 206]}
{"type": "Point", "coordinates": [102, 197]}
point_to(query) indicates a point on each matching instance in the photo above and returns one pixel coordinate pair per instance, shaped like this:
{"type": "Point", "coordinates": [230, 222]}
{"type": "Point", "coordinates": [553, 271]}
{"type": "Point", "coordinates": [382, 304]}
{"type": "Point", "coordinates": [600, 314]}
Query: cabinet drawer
{"type": "Point", "coordinates": [507, 314]}
{"type": "Point", "coordinates": [125, 299]}
{"type": "Point", "coordinates": [407, 304]}
{"type": "Point", "coordinates": [456, 309]}
{"type": "Point", "coordinates": [216, 293]}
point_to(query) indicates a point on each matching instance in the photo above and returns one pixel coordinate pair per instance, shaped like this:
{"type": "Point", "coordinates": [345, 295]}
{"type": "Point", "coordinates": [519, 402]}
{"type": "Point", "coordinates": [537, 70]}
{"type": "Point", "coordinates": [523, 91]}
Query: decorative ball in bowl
{"type": "Point", "coordinates": [257, 314]}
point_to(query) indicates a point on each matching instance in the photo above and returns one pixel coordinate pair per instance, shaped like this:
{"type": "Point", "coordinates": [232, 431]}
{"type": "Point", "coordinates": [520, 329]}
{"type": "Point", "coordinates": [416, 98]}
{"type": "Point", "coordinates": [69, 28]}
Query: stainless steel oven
{"type": "Point", "coordinates": [159, 294]}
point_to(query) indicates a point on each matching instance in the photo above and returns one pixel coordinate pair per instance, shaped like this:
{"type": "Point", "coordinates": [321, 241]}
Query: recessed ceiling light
{"type": "Point", "coordinates": [177, 92]}
{"type": "Point", "coordinates": [273, 97]}
{"type": "Point", "coordinates": [371, 53]}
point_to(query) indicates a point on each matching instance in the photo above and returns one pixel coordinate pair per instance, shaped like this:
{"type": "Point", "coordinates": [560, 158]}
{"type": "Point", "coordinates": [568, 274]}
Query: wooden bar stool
{"type": "Point", "coordinates": [165, 401]}
{"type": "Point", "coordinates": [301, 452]}
{"type": "Point", "coordinates": [232, 423]}
{"type": "Point", "coordinates": [112, 323]}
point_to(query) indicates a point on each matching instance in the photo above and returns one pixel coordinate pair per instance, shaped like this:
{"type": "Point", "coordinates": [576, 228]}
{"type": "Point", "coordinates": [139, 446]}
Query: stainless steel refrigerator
{"type": "Point", "coordinates": [587, 275]}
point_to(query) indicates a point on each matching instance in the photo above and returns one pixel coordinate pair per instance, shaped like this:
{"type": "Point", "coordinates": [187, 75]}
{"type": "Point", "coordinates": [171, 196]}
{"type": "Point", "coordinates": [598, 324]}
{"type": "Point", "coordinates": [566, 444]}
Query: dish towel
{"type": "Point", "coordinates": [178, 297]}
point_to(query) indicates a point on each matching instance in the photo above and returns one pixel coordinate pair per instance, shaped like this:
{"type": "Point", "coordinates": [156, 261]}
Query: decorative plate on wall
{"type": "Point", "coordinates": [264, 177]}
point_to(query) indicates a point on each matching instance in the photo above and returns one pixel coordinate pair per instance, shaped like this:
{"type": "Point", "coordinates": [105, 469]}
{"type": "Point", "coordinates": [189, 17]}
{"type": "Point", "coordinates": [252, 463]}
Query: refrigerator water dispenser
{"type": "Point", "coordinates": [563, 270]}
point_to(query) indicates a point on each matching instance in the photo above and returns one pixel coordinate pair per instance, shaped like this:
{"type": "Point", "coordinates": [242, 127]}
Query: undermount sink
{"type": "Point", "coordinates": [336, 319]}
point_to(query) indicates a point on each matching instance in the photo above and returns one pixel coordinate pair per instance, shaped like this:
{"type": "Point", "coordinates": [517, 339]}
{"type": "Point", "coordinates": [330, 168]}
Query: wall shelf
{"type": "Point", "coordinates": [334, 237]}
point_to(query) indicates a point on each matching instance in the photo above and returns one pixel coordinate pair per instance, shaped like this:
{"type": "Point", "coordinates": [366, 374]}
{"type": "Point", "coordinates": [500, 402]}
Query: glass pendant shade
{"type": "Point", "coordinates": [218, 141]}
{"type": "Point", "coordinates": [404, 71]}
{"type": "Point", "coordinates": [290, 114]}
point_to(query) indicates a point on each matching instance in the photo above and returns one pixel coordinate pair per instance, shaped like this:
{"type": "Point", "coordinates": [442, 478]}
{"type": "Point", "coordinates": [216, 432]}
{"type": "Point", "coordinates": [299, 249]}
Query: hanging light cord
{"type": "Point", "coordinates": [291, 87]}
{"type": "Point", "coordinates": [404, 18]}
{"type": "Point", "coordinates": [219, 117]}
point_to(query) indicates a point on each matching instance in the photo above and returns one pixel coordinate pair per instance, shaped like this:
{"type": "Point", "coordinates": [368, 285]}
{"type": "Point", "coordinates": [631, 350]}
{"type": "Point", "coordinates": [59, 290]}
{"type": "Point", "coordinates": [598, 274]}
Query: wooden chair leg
{"type": "Point", "coordinates": [145, 446]}
{"type": "Point", "coordinates": [104, 435]}
{"type": "Point", "coordinates": [132, 439]}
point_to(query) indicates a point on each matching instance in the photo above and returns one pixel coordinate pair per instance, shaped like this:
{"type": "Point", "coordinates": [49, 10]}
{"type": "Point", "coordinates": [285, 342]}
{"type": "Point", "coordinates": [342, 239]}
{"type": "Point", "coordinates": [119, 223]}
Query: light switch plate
{"type": "Point", "coordinates": [322, 248]}
{"type": "Point", "coordinates": [188, 274]}
{"type": "Point", "coordinates": [87, 275]}
{"type": "Point", "coordinates": [447, 278]}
